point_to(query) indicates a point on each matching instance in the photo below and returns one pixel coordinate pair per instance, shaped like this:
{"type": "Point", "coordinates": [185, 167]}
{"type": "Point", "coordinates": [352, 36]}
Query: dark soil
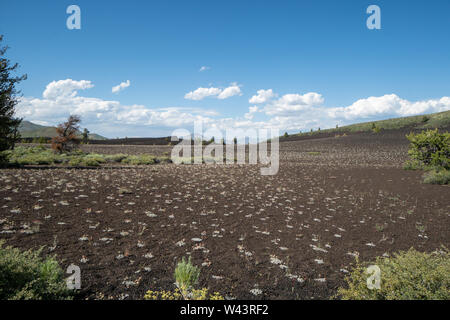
{"type": "Point", "coordinates": [293, 235]}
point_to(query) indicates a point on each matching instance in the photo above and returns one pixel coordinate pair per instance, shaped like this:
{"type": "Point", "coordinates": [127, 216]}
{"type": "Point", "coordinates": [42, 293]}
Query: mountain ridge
{"type": "Point", "coordinates": [29, 129]}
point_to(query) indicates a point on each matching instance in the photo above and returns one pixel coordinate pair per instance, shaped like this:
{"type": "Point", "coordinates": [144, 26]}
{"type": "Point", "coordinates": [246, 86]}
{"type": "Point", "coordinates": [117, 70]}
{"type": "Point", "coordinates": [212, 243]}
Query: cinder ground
{"type": "Point", "coordinates": [289, 236]}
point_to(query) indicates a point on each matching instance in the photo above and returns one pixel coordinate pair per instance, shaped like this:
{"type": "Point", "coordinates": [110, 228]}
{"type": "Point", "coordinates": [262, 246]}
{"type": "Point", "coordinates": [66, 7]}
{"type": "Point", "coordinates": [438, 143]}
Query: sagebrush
{"type": "Point", "coordinates": [25, 275]}
{"type": "Point", "coordinates": [408, 275]}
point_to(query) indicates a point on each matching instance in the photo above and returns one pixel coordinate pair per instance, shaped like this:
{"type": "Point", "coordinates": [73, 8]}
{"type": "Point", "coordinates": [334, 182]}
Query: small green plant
{"type": "Point", "coordinates": [408, 275]}
{"type": "Point", "coordinates": [437, 176]}
{"type": "Point", "coordinates": [186, 275]}
{"type": "Point", "coordinates": [375, 128]}
{"type": "Point", "coordinates": [420, 227]}
{"type": "Point", "coordinates": [25, 275]}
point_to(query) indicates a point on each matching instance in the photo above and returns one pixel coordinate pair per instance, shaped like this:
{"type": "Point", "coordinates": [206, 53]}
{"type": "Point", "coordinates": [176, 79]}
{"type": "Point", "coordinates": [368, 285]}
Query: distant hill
{"type": "Point", "coordinates": [427, 121]}
{"type": "Point", "coordinates": [29, 129]}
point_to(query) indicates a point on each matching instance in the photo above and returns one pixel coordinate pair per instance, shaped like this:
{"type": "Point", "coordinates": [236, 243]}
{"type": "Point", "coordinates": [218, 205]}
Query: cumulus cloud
{"type": "Point", "coordinates": [204, 68]}
{"type": "Point", "coordinates": [201, 93]}
{"type": "Point", "coordinates": [120, 86]}
{"type": "Point", "coordinates": [251, 111]}
{"type": "Point", "coordinates": [65, 88]}
{"type": "Point", "coordinates": [388, 105]}
{"type": "Point", "coordinates": [293, 111]}
{"type": "Point", "coordinates": [262, 96]}
{"type": "Point", "coordinates": [60, 98]}
{"type": "Point", "coordinates": [292, 103]}
{"type": "Point", "coordinates": [231, 91]}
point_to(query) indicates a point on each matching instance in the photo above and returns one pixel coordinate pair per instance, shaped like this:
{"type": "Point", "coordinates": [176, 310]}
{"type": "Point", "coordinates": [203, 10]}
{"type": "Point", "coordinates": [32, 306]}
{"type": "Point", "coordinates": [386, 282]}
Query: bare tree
{"type": "Point", "coordinates": [67, 138]}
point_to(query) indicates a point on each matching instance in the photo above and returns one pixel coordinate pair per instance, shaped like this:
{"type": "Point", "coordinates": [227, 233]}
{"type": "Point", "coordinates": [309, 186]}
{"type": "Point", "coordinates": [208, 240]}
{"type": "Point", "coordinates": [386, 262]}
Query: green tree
{"type": "Point", "coordinates": [9, 124]}
{"type": "Point", "coordinates": [85, 136]}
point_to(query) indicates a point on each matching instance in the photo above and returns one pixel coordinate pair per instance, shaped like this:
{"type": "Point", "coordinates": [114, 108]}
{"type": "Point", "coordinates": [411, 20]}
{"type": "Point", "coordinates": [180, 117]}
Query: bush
{"type": "Point", "coordinates": [430, 148]}
{"type": "Point", "coordinates": [93, 160]}
{"type": "Point", "coordinates": [90, 162]}
{"type": "Point", "coordinates": [32, 156]}
{"type": "Point", "coordinates": [437, 176]}
{"type": "Point", "coordinates": [42, 155]}
{"type": "Point", "coordinates": [186, 275]}
{"type": "Point", "coordinates": [412, 165]}
{"type": "Point", "coordinates": [75, 161]}
{"type": "Point", "coordinates": [409, 275]}
{"type": "Point", "coordinates": [25, 275]}
{"type": "Point", "coordinates": [97, 157]}
{"type": "Point", "coordinates": [116, 157]}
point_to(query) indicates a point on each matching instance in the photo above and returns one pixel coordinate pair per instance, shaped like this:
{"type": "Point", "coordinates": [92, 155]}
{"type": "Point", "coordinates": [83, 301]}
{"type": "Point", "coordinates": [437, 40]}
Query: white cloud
{"type": "Point", "coordinates": [204, 68]}
{"type": "Point", "coordinates": [251, 111]}
{"type": "Point", "coordinates": [388, 105]}
{"type": "Point", "coordinates": [120, 86]}
{"type": "Point", "coordinates": [54, 108]}
{"type": "Point", "coordinates": [292, 112]}
{"type": "Point", "coordinates": [292, 103]}
{"type": "Point", "coordinates": [231, 91]}
{"type": "Point", "coordinates": [262, 97]}
{"type": "Point", "coordinates": [201, 93]}
{"type": "Point", "coordinates": [65, 88]}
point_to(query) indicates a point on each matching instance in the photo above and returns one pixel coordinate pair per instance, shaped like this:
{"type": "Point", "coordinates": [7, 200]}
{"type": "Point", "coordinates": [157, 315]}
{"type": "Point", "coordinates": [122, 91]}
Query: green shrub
{"type": "Point", "coordinates": [186, 275]}
{"type": "Point", "coordinates": [32, 156]}
{"type": "Point", "coordinates": [430, 148]}
{"type": "Point", "coordinates": [93, 160]}
{"type": "Point", "coordinates": [408, 275]}
{"type": "Point", "coordinates": [75, 161]}
{"type": "Point", "coordinates": [90, 162]}
{"type": "Point", "coordinates": [25, 275]}
{"type": "Point", "coordinates": [115, 157]}
{"type": "Point", "coordinates": [437, 176]}
{"type": "Point", "coordinates": [412, 165]}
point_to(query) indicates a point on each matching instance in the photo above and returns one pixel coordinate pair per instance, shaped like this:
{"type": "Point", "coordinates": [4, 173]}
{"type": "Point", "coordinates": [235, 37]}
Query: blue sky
{"type": "Point", "coordinates": [318, 58]}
